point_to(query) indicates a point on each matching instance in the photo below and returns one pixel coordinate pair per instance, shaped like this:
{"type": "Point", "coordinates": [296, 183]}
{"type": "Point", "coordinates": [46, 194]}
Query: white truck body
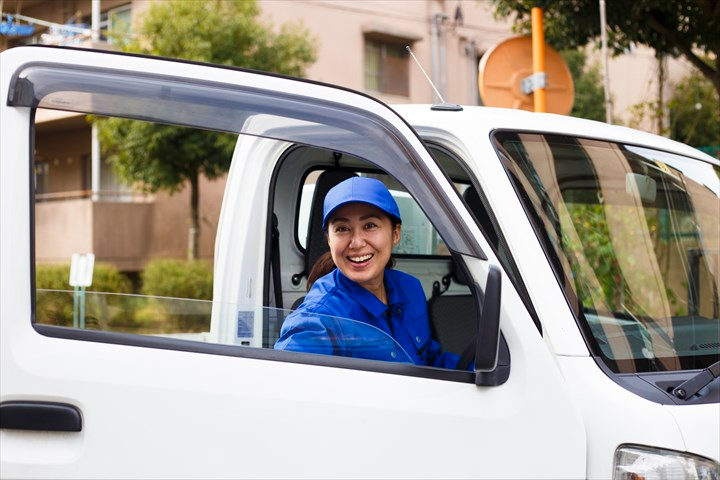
{"type": "Point", "coordinates": [221, 406]}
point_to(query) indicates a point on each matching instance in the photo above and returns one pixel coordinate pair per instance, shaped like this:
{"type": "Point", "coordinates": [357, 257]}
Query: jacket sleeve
{"type": "Point", "coordinates": [437, 358]}
{"type": "Point", "coordinates": [305, 331]}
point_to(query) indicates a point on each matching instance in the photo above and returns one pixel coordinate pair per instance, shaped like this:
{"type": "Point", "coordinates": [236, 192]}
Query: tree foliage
{"type": "Point", "coordinates": [223, 33]}
{"type": "Point", "coordinates": [589, 96]}
{"type": "Point", "coordinates": [673, 27]}
{"type": "Point", "coordinates": [161, 157]}
{"type": "Point", "coordinates": [691, 121]}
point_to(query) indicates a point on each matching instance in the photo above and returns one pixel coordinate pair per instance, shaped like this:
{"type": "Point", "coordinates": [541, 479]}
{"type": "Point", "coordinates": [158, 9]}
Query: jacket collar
{"type": "Point", "coordinates": [373, 305]}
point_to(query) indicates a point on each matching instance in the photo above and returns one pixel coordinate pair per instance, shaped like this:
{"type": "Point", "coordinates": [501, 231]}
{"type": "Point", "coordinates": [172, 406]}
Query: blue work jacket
{"type": "Point", "coordinates": [340, 317]}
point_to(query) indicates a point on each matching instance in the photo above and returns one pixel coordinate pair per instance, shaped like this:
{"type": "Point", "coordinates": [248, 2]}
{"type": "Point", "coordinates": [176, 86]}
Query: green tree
{"type": "Point", "coordinates": [691, 121]}
{"type": "Point", "coordinates": [672, 27]}
{"type": "Point", "coordinates": [589, 96]}
{"type": "Point", "coordinates": [160, 157]}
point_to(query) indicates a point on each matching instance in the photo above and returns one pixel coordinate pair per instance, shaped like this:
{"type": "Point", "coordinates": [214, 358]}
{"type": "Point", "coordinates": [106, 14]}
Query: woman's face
{"type": "Point", "coordinates": [361, 238]}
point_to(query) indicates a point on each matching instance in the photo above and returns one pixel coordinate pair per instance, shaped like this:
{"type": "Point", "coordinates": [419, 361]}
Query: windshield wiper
{"type": "Point", "coordinates": [697, 382]}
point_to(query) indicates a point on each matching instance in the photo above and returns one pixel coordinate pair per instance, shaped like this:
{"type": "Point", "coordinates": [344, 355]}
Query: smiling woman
{"type": "Point", "coordinates": [362, 223]}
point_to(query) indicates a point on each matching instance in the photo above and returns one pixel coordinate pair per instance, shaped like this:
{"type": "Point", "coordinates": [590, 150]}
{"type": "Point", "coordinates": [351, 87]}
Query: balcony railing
{"type": "Point", "coordinates": [99, 196]}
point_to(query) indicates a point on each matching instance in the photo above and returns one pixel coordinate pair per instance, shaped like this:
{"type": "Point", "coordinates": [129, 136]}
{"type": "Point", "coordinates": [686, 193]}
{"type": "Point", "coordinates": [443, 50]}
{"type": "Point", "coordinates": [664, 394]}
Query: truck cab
{"type": "Point", "coordinates": [577, 261]}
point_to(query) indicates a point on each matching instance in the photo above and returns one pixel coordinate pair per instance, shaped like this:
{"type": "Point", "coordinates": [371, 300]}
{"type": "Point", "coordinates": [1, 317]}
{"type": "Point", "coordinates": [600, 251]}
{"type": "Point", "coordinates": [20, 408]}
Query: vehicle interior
{"type": "Point", "coordinates": [302, 178]}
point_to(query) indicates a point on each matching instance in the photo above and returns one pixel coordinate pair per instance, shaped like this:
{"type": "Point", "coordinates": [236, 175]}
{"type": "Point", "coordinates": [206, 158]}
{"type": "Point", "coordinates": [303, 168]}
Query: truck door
{"type": "Point", "coordinates": [109, 390]}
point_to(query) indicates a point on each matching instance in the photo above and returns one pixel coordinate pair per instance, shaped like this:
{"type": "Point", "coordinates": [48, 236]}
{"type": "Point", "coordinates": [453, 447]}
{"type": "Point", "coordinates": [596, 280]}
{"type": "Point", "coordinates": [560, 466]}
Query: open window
{"type": "Point", "coordinates": [277, 122]}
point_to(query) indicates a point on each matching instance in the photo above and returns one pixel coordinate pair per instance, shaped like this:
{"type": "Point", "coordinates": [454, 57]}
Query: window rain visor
{"type": "Point", "coordinates": [246, 107]}
{"type": "Point", "coordinates": [633, 236]}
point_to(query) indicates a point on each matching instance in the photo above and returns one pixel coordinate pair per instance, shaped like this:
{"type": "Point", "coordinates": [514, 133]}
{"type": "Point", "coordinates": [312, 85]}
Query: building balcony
{"type": "Point", "coordinates": [116, 226]}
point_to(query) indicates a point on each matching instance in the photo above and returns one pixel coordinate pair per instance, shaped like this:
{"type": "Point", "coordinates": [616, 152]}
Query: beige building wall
{"type": "Point", "coordinates": [63, 228]}
{"type": "Point", "coordinates": [635, 79]}
{"type": "Point", "coordinates": [171, 221]}
{"type": "Point", "coordinates": [340, 28]}
{"type": "Point", "coordinates": [62, 153]}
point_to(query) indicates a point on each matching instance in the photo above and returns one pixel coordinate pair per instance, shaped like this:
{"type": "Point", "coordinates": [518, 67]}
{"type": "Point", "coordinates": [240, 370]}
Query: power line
{"type": "Point", "coordinates": [353, 8]}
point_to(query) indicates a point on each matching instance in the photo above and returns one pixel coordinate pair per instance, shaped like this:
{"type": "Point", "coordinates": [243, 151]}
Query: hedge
{"type": "Point", "coordinates": [56, 307]}
{"type": "Point", "coordinates": [106, 278]}
{"type": "Point", "coordinates": [143, 314]}
{"type": "Point", "coordinates": [178, 278]}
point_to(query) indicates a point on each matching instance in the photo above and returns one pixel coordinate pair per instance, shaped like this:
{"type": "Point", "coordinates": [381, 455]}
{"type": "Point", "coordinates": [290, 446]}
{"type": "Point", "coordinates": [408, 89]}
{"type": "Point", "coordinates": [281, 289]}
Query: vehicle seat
{"type": "Point", "coordinates": [315, 244]}
{"type": "Point", "coordinates": [453, 317]}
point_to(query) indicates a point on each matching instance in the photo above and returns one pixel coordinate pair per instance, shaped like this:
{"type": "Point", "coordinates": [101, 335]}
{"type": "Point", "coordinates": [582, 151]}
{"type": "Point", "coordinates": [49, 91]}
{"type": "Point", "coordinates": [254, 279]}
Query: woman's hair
{"type": "Point", "coordinates": [325, 263]}
{"type": "Point", "coordinates": [322, 267]}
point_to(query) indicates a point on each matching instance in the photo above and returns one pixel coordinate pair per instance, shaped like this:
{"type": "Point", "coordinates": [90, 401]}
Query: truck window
{"type": "Point", "coordinates": [419, 236]}
{"type": "Point", "coordinates": [133, 218]}
{"type": "Point", "coordinates": [139, 232]}
{"type": "Point", "coordinates": [633, 236]}
{"type": "Point", "coordinates": [172, 136]}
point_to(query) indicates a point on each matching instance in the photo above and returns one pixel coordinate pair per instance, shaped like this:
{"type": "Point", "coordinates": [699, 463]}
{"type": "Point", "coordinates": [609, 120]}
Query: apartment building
{"type": "Point", "coordinates": [361, 46]}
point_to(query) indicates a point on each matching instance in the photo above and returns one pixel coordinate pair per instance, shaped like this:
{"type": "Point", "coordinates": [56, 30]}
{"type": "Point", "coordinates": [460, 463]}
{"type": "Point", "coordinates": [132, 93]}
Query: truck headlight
{"type": "Point", "coordinates": [646, 463]}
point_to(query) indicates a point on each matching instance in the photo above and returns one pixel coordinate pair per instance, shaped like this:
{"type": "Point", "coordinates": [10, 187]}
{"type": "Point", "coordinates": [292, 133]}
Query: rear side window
{"type": "Point", "coordinates": [419, 236]}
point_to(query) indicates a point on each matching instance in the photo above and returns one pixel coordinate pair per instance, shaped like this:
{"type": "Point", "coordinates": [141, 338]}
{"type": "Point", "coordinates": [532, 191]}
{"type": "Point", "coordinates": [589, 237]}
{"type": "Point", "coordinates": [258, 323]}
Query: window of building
{"type": "Point", "coordinates": [119, 23]}
{"type": "Point", "coordinates": [386, 67]}
{"type": "Point", "coordinates": [115, 24]}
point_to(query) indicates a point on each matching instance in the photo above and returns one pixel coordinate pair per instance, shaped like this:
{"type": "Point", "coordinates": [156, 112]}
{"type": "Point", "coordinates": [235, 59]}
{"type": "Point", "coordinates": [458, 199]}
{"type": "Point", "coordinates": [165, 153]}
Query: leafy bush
{"type": "Point", "coordinates": [56, 308]}
{"type": "Point", "coordinates": [178, 278]}
{"type": "Point", "coordinates": [146, 314]}
{"type": "Point", "coordinates": [106, 278]}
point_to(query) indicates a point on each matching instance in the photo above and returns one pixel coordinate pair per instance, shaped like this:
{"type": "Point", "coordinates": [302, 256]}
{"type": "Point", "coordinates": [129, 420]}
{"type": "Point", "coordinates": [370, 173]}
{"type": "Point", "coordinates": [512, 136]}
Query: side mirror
{"type": "Point", "coordinates": [488, 334]}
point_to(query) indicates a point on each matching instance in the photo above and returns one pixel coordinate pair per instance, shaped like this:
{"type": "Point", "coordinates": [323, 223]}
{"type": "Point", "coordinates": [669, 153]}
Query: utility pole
{"type": "Point", "coordinates": [606, 75]}
{"type": "Point", "coordinates": [661, 113]}
{"type": "Point", "coordinates": [95, 161]}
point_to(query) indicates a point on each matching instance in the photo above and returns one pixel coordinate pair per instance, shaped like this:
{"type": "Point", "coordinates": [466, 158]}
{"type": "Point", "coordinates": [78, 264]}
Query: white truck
{"type": "Point", "coordinates": [580, 259]}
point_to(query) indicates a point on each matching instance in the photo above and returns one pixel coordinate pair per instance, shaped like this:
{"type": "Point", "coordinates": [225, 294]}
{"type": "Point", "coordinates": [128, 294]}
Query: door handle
{"type": "Point", "coordinates": [45, 416]}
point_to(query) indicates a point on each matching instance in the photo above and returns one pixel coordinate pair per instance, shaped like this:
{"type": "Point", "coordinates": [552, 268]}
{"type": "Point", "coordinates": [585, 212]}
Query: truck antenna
{"type": "Point", "coordinates": [407, 47]}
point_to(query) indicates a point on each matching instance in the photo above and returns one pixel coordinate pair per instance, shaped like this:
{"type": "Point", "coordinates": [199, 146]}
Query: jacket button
{"type": "Point", "coordinates": [393, 354]}
{"type": "Point", "coordinates": [417, 339]}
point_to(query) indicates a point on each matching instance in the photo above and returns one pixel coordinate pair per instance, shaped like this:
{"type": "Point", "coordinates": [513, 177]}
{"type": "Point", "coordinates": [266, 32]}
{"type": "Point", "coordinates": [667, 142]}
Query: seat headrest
{"type": "Point", "coordinates": [315, 244]}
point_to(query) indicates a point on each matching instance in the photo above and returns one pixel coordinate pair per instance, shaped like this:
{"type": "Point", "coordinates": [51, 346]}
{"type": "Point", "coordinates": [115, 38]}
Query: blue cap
{"type": "Point", "coordinates": [360, 189]}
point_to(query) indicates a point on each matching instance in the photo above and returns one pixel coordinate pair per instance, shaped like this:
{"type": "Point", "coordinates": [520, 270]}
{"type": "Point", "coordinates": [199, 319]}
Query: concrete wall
{"type": "Point", "coordinates": [122, 233]}
{"type": "Point", "coordinates": [171, 220]}
{"type": "Point", "coordinates": [117, 233]}
{"type": "Point", "coordinates": [127, 234]}
{"type": "Point", "coordinates": [634, 79]}
{"type": "Point", "coordinates": [339, 27]}
{"type": "Point", "coordinates": [65, 151]}
{"type": "Point", "coordinates": [63, 228]}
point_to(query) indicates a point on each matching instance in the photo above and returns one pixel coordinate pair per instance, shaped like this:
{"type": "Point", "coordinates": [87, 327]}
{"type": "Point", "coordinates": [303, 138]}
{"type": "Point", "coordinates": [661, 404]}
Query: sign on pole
{"type": "Point", "coordinates": [81, 269]}
{"type": "Point", "coordinates": [81, 273]}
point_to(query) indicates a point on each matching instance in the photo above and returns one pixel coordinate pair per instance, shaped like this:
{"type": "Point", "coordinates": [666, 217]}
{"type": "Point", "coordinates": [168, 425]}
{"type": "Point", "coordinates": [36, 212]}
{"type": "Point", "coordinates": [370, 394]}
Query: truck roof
{"type": "Point", "coordinates": [484, 120]}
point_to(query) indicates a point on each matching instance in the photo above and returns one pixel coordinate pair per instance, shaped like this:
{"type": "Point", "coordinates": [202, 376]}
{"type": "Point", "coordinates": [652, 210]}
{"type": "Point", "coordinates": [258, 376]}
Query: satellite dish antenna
{"type": "Point", "coordinates": [504, 67]}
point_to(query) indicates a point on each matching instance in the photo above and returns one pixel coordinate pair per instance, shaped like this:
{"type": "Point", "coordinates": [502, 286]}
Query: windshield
{"type": "Point", "coordinates": [633, 235]}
